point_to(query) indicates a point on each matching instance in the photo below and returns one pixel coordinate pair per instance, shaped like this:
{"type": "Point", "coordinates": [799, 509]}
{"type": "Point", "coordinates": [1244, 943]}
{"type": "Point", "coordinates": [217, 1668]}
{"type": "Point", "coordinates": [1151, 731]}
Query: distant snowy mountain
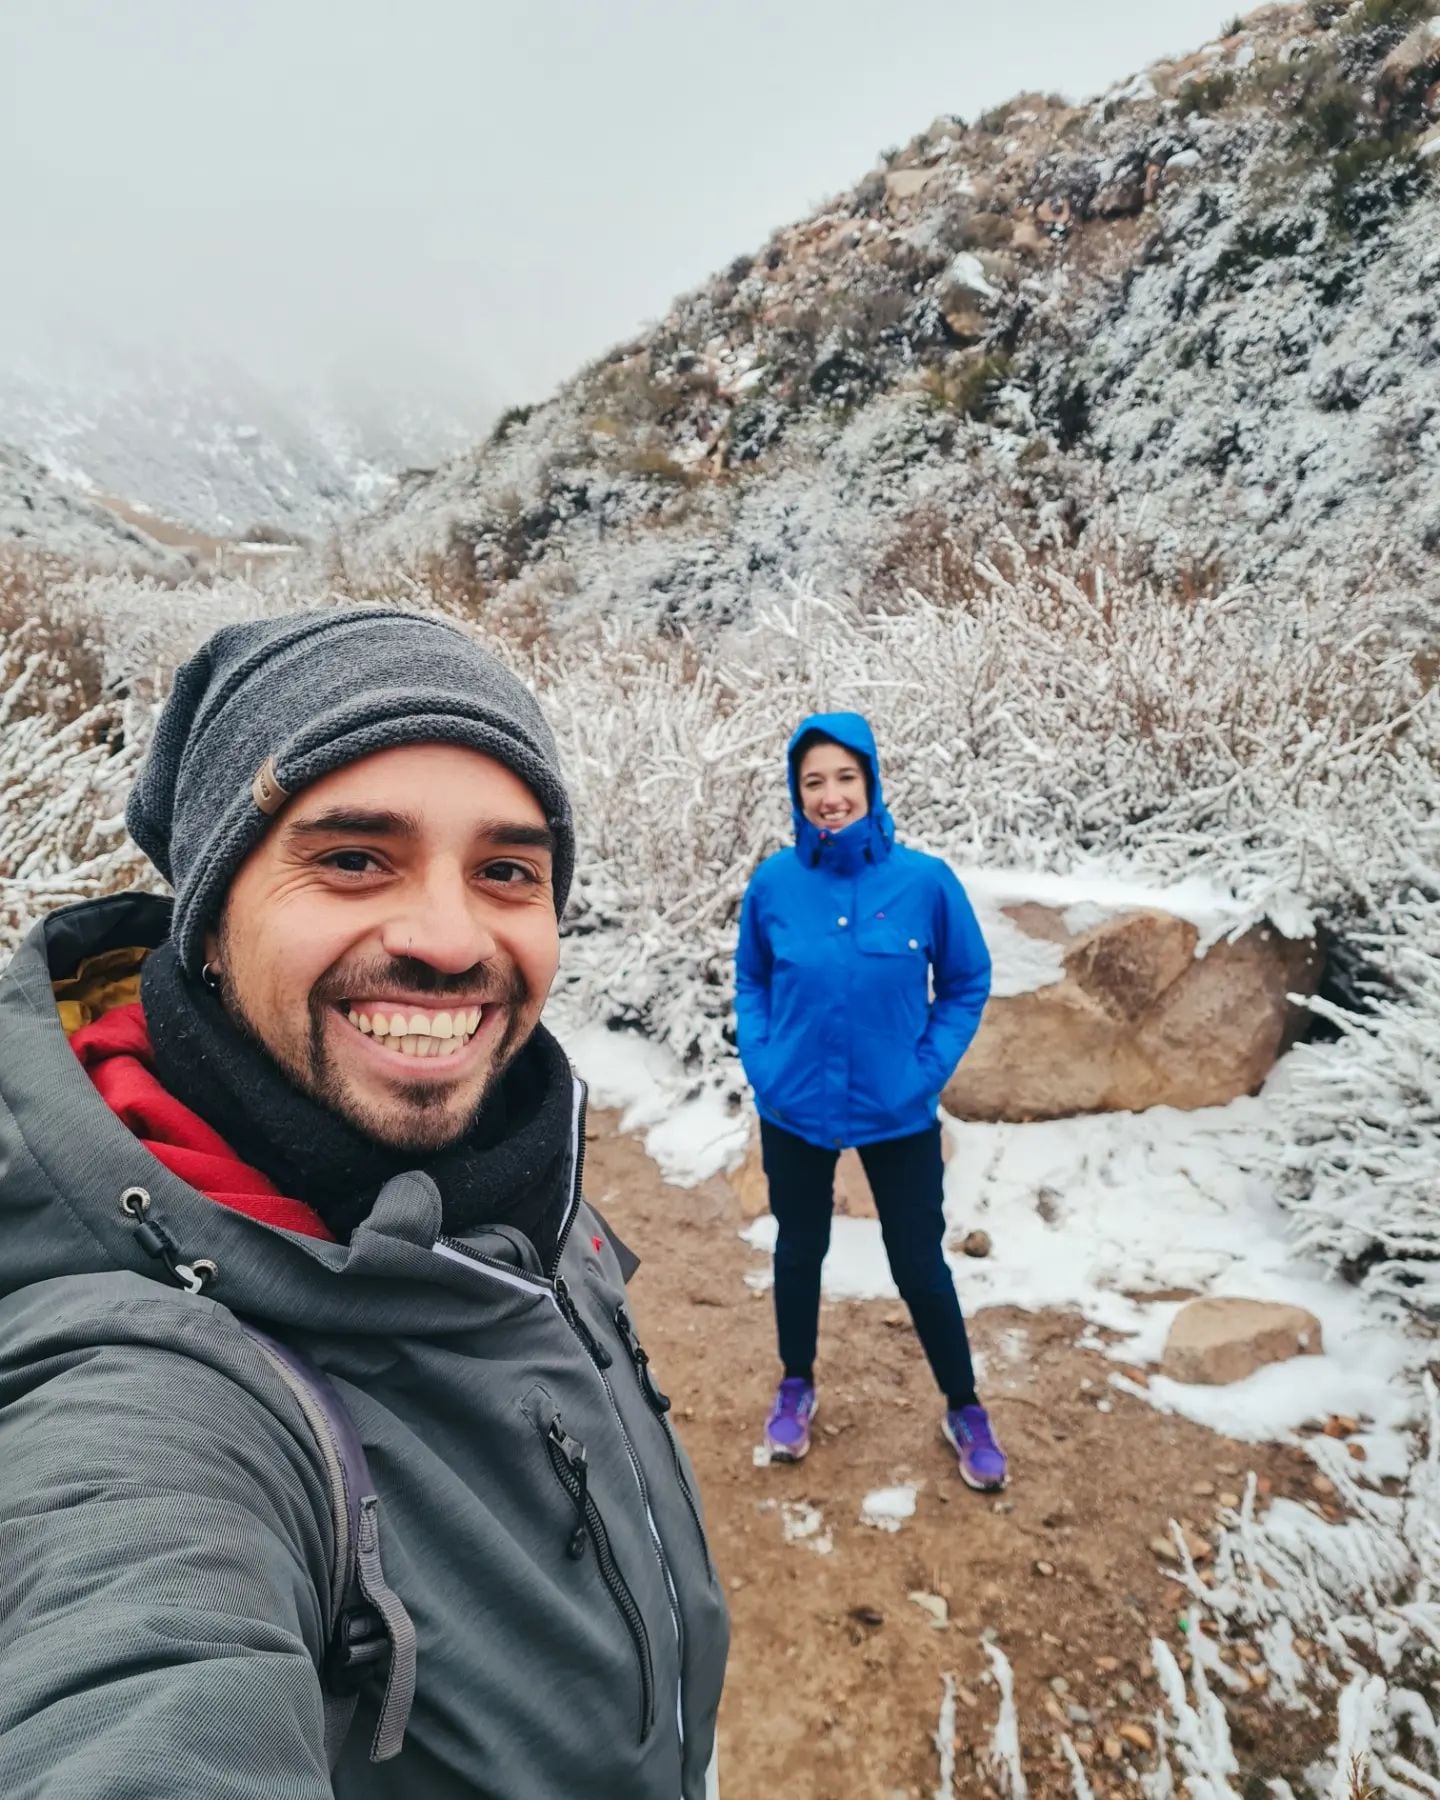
{"type": "Point", "coordinates": [210, 447]}
{"type": "Point", "coordinates": [1197, 312]}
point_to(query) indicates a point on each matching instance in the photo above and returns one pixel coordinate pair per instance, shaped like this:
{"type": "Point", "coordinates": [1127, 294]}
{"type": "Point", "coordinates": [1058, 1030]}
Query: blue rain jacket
{"type": "Point", "coordinates": [840, 937]}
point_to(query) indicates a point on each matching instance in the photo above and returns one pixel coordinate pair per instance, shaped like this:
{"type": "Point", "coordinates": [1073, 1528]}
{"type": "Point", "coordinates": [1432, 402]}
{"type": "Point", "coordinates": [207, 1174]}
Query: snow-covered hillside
{"type": "Point", "coordinates": [1197, 311]}
{"type": "Point", "coordinates": [39, 515]}
{"type": "Point", "coordinates": [209, 446]}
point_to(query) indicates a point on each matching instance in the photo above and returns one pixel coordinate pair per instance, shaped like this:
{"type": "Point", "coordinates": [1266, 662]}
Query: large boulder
{"type": "Point", "coordinates": [1216, 1341]}
{"type": "Point", "coordinates": [1137, 1019]}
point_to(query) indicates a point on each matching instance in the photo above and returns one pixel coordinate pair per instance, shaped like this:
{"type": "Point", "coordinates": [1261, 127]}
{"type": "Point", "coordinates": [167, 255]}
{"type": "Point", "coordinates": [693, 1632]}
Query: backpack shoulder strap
{"type": "Point", "coordinates": [368, 1623]}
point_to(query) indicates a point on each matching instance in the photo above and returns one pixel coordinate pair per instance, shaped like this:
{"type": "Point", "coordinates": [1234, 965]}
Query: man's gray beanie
{"type": "Point", "coordinates": [264, 709]}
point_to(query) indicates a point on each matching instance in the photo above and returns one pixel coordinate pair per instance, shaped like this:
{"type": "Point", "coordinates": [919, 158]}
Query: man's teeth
{"type": "Point", "coordinates": [420, 1034]}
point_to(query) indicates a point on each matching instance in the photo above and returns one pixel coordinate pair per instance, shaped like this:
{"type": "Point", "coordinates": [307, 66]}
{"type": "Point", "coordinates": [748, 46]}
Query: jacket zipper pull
{"type": "Point", "coordinates": [574, 1454]}
{"type": "Point", "coordinates": [659, 1400]}
{"type": "Point", "coordinates": [599, 1355]}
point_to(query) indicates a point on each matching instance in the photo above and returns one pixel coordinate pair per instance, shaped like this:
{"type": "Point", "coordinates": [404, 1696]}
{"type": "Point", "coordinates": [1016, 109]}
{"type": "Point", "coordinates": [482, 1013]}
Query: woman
{"type": "Point", "coordinates": [841, 941]}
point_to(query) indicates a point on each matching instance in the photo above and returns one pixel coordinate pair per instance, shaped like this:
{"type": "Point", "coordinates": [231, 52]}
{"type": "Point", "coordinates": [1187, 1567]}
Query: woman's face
{"type": "Point", "coordinates": [832, 787]}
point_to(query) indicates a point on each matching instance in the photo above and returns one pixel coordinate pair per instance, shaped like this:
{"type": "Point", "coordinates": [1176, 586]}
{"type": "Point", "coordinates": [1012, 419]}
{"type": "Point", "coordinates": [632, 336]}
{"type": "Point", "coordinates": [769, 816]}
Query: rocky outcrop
{"type": "Point", "coordinates": [1136, 1020]}
{"type": "Point", "coordinates": [1216, 1341]}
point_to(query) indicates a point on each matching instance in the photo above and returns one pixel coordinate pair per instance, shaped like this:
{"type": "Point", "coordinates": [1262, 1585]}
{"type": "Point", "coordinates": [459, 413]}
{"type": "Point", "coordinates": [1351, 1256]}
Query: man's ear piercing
{"type": "Point", "coordinates": [210, 975]}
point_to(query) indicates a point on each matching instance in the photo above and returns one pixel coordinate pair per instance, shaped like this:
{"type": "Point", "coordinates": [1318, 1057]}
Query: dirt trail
{"type": "Point", "coordinates": [836, 1674]}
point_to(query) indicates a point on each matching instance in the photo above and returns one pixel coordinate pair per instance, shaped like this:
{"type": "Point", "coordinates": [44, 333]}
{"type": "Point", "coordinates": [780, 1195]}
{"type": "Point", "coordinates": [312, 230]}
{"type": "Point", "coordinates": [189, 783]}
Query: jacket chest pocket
{"type": "Point", "coordinates": [879, 934]}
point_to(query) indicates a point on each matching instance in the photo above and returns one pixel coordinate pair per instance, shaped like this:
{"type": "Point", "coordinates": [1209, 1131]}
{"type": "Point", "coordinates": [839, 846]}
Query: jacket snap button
{"type": "Point", "coordinates": [842, 920]}
{"type": "Point", "coordinates": [914, 944]}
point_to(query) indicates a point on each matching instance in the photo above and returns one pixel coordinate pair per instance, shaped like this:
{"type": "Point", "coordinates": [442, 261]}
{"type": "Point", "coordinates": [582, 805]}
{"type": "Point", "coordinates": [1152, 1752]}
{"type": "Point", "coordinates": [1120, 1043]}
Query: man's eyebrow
{"type": "Point", "coordinates": [514, 834]}
{"type": "Point", "coordinates": [365, 822]}
{"type": "Point", "coordinates": [352, 821]}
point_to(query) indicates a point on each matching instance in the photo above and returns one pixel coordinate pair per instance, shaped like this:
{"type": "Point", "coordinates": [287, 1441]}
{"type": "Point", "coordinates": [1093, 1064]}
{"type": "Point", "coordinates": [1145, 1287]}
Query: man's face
{"type": "Point", "coordinates": [391, 940]}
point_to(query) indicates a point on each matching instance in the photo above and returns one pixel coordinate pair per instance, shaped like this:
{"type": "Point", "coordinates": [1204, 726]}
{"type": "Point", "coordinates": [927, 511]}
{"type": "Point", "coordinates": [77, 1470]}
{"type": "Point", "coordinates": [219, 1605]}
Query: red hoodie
{"type": "Point", "coordinates": [115, 1051]}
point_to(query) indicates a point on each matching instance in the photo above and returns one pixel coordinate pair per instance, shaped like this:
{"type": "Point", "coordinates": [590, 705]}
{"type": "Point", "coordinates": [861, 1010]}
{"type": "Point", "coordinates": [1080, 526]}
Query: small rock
{"type": "Point", "coordinates": [894, 1319]}
{"type": "Point", "coordinates": [1164, 1548]}
{"type": "Point", "coordinates": [867, 1615]}
{"type": "Point", "coordinates": [933, 1607]}
{"type": "Point", "coordinates": [966, 1697]}
{"type": "Point", "coordinates": [1138, 1736]}
{"type": "Point", "coordinates": [1025, 237]}
{"type": "Point", "coordinates": [1059, 1685]}
{"type": "Point", "coordinates": [905, 184]}
{"type": "Point", "coordinates": [1044, 1568]}
{"type": "Point", "coordinates": [1107, 1665]}
{"type": "Point", "coordinates": [1112, 1748]}
{"type": "Point", "coordinates": [1323, 1486]}
{"type": "Point", "coordinates": [977, 1243]}
{"type": "Point", "coordinates": [1356, 1452]}
{"type": "Point", "coordinates": [1125, 1692]}
{"type": "Point", "coordinates": [831, 1431]}
{"type": "Point", "coordinates": [1226, 1498]}
{"type": "Point", "coordinates": [1247, 1653]}
{"type": "Point", "coordinates": [1203, 1489]}
{"type": "Point", "coordinates": [1055, 1709]}
{"type": "Point", "coordinates": [1077, 1715]}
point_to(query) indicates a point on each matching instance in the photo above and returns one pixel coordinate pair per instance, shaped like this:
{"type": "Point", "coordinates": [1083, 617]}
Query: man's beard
{"type": "Point", "coordinates": [423, 1125]}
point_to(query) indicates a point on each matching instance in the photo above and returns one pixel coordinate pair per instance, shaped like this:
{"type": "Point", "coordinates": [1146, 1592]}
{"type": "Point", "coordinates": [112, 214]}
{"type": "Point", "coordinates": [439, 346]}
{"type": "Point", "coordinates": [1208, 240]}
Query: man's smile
{"type": "Point", "coordinates": [417, 1032]}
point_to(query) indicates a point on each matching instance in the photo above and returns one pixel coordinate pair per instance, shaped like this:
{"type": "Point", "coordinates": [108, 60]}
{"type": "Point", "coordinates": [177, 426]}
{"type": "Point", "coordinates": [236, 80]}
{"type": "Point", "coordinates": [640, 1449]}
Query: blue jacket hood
{"type": "Point", "coordinates": [868, 839]}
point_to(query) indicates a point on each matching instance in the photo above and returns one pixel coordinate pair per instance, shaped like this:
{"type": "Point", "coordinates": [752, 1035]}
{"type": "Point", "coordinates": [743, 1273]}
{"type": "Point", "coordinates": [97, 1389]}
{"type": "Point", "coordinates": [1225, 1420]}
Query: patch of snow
{"type": "Point", "coordinates": [691, 1136]}
{"type": "Point", "coordinates": [801, 1523]}
{"type": "Point", "coordinates": [1183, 159]}
{"type": "Point", "coordinates": [1140, 87]}
{"type": "Point", "coordinates": [967, 271]}
{"type": "Point", "coordinates": [945, 1732]}
{"type": "Point", "coordinates": [1106, 889]}
{"type": "Point", "coordinates": [886, 1509]}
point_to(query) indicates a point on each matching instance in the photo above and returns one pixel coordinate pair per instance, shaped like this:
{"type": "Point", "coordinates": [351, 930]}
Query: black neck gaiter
{"type": "Point", "coordinates": [510, 1168]}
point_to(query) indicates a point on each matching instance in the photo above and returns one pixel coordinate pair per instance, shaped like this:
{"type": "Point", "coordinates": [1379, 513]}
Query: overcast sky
{"type": "Point", "coordinates": [489, 190]}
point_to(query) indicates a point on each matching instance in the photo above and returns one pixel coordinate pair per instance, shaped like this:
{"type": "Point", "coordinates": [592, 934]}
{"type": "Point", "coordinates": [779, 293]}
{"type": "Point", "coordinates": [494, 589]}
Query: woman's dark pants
{"type": "Point", "coordinates": [905, 1176]}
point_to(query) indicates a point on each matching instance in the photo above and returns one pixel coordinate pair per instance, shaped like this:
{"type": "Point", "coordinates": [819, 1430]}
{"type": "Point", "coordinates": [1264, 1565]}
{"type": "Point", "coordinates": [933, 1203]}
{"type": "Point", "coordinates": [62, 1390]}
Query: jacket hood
{"type": "Point", "coordinates": [868, 839]}
{"type": "Point", "coordinates": [66, 1159]}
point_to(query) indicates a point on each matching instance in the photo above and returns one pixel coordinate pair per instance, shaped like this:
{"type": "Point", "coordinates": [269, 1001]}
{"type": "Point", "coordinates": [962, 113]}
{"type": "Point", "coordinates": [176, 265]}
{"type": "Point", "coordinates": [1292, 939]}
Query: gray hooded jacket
{"type": "Point", "coordinates": [165, 1531]}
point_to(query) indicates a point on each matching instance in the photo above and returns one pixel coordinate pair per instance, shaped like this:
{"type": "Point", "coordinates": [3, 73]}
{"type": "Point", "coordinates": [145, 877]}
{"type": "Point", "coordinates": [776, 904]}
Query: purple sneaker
{"type": "Point", "coordinates": [968, 1432]}
{"type": "Point", "coordinates": [787, 1430]}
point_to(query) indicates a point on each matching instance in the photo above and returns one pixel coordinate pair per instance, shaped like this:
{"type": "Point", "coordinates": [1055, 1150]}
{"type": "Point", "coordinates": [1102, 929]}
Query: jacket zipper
{"type": "Point", "coordinates": [660, 1405]}
{"type": "Point", "coordinates": [555, 1285]}
{"type": "Point", "coordinates": [568, 1459]}
{"type": "Point", "coordinates": [602, 1359]}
